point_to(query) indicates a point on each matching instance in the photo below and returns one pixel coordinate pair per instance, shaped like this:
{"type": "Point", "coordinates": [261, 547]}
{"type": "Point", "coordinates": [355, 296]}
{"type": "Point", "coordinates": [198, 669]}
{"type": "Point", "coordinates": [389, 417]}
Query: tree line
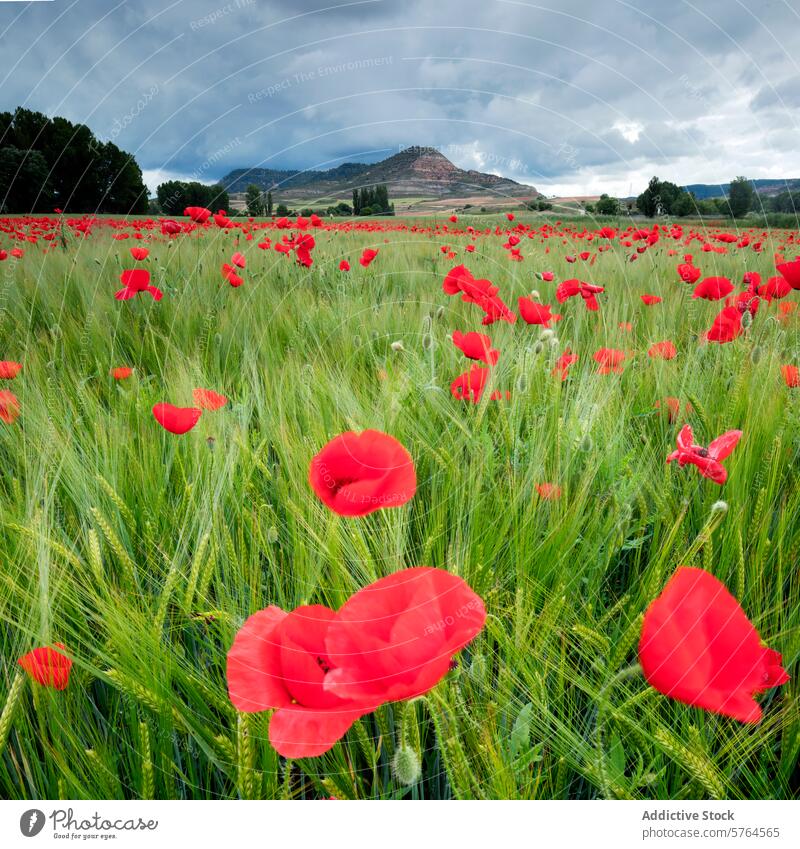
{"type": "Point", "coordinates": [174, 196]}
{"type": "Point", "coordinates": [664, 198]}
{"type": "Point", "coordinates": [48, 163]}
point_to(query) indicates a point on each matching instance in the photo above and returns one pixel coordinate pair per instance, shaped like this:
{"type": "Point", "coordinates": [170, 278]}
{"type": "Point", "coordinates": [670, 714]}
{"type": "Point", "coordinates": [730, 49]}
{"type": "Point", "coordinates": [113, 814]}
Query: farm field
{"type": "Point", "coordinates": [541, 483]}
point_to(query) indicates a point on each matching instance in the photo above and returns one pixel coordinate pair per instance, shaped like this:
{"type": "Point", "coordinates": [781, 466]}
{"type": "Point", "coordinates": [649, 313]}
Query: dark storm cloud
{"type": "Point", "coordinates": [579, 97]}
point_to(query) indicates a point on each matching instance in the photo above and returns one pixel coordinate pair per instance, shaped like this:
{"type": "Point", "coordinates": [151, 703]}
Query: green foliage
{"type": "Point", "coordinates": [664, 198]}
{"type": "Point", "coordinates": [254, 201]}
{"type": "Point", "coordinates": [607, 205]}
{"type": "Point", "coordinates": [741, 197]}
{"type": "Point", "coordinates": [175, 195]}
{"type": "Point", "coordinates": [80, 172]}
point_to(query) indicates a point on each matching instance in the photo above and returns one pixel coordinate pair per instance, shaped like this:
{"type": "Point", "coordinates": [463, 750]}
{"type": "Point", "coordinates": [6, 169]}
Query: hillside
{"type": "Point", "coordinates": [768, 188]}
{"type": "Point", "coordinates": [414, 172]}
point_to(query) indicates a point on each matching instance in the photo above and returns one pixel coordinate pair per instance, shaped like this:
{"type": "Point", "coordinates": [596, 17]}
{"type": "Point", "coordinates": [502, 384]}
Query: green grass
{"type": "Point", "coordinates": [143, 552]}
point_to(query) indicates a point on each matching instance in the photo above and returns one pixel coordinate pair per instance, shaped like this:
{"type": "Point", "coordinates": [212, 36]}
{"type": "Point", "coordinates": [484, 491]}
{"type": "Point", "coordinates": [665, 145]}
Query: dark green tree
{"type": "Point", "coordinates": [356, 202]}
{"type": "Point", "coordinates": [254, 200]}
{"type": "Point", "coordinates": [84, 174]}
{"type": "Point", "coordinates": [24, 184]}
{"type": "Point", "coordinates": [741, 197]}
{"type": "Point", "coordinates": [269, 203]}
{"type": "Point", "coordinates": [607, 205]}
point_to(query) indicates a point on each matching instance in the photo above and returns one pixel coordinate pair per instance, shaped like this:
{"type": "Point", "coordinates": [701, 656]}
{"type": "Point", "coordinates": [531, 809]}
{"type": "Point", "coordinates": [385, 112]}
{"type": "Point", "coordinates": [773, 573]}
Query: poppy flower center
{"type": "Point", "coordinates": [323, 664]}
{"type": "Point", "coordinates": [701, 452]}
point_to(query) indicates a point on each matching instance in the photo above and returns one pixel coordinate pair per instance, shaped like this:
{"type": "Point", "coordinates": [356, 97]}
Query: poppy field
{"type": "Point", "coordinates": [491, 507]}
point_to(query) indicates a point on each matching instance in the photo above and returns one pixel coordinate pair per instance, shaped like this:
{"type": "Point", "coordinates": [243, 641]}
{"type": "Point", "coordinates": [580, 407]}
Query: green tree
{"type": "Point", "coordinates": [24, 184]}
{"type": "Point", "coordinates": [254, 200]}
{"type": "Point", "coordinates": [741, 197]}
{"type": "Point", "coordinates": [269, 203]}
{"type": "Point", "coordinates": [356, 202]}
{"type": "Point", "coordinates": [607, 205]}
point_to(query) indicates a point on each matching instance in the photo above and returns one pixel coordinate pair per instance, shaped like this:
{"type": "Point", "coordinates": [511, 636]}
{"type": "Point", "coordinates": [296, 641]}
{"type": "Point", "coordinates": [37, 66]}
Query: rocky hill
{"type": "Point", "coordinates": [413, 172]}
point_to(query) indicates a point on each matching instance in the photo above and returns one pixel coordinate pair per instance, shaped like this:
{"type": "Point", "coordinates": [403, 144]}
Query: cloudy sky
{"type": "Point", "coordinates": [571, 96]}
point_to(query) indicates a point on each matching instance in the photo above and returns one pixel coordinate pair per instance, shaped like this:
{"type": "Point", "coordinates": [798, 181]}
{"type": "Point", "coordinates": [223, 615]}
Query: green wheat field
{"type": "Point", "coordinates": [143, 552]}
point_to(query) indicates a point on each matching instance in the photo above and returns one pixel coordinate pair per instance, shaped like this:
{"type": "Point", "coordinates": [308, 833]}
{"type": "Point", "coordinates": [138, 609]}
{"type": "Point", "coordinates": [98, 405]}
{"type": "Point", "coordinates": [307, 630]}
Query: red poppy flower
{"type": "Point", "coordinates": [476, 346]}
{"type": "Point", "coordinates": [698, 646]}
{"type": "Point", "coordinates": [9, 369]}
{"type": "Point", "coordinates": [791, 272]}
{"type": "Point", "coordinates": [708, 460]}
{"type": "Point", "coordinates": [726, 327]}
{"type": "Point", "coordinates": [207, 399]}
{"type": "Point", "coordinates": [356, 474]}
{"type": "Point", "coordinates": [238, 260]}
{"type": "Point", "coordinates": [549, 491]}
{"type": "Point", "coordinates": [229, 273]}
{"type": "Point", "coordinates": [535, 313]}
{"type": "Point", "coordinates": [609, 359]}
{"type": "Point", "coordinates": [563, 363]}
{"type": "Point", "coordinates": [571, 288]}
{"type": "Point", "coordinates": [199, 214]}
{"type": "Point", "coordinates": [121, 372]}
{"type": "Point", "coordinates": [775, 288]}
{"type": "Point", "coordinates": [649, 300]}
{"type": "Point", "coordinates": [663, 351]}
{"type": "Point", "coordinates": [688, 273]}
{"type": "Point", "coordinates": [510, 216]}
{"type": "Point", "coordinates": [139, 254]}
{"type": "Point", "coordinates": [9, 406]}
{"type": "Point", "coordinates": [367, 256]}
{"type": "Point", "coordinates": [17, 253]}
{"type": "Point", "coordinates": [344, 265]}
{"type": "Point", "coordinates": [791, 375]}
{"type": "Point", "coordinates": [47, 667]}
{"type": "Point", "coordinates": [713, 288]}
{"type": "Point", "coordinates": [280, 660]}
{"type": "Point", "coordinates": [395, 638]}
{"type": "Point", "coordinates": [134, 281]}
{"type": "Point", "coordinates": [477, 291]}
{"type": "Point", "coordinates": [469, 386]}
{"type": "Point", "coordinates": [221, 219]}
{"type": "Point", "coordinates": [176, 420]}
{"type": "Point", "coordinates": [548, 276]}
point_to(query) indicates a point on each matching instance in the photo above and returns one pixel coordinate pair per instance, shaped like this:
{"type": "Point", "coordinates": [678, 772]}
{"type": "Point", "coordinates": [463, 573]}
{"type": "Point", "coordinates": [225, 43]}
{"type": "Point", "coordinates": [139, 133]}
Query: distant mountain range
{"type": "Point", "coordinates": [414, 172]}
{"type": "Point", "coordinates": [770, 188]}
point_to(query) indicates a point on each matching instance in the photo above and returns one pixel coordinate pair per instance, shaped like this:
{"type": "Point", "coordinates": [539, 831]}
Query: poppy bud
{"type": "Point", "coordinates": [546, 334]}
{"type": "Point", "coordinates": [755, 355]}
{"type": "Point", "coordinates": [538, 348]}
{"type": "Point", "coordinates": [586, 443]}
{"type": "Point", "coordinates": [522, 383]}
{"type": "Point", "coordinates": [439, 312]}
{"type": "Point", "coordinates": [719, 507]}
{"type": "Point", "coordinates": [210, 442]}
{"type": "Point", "coordinates": [427, 342]}
{"type": "Point", "coordinates": [426, 324]}
{"type": "Point", "coordinates": [535, 295]}
{"type": "Point", "coordinates": [272, 534]}
{"type": "Point", "coordinates": [554, 343]}
{"type": "Point", "coordinates": [406, 766]}
{"type": "Point", "coordinates": [356, 341]}
{"type": "Point", "coordinates": [397, 346]}
{"type": "Point", "coordinates": [747, 320]}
